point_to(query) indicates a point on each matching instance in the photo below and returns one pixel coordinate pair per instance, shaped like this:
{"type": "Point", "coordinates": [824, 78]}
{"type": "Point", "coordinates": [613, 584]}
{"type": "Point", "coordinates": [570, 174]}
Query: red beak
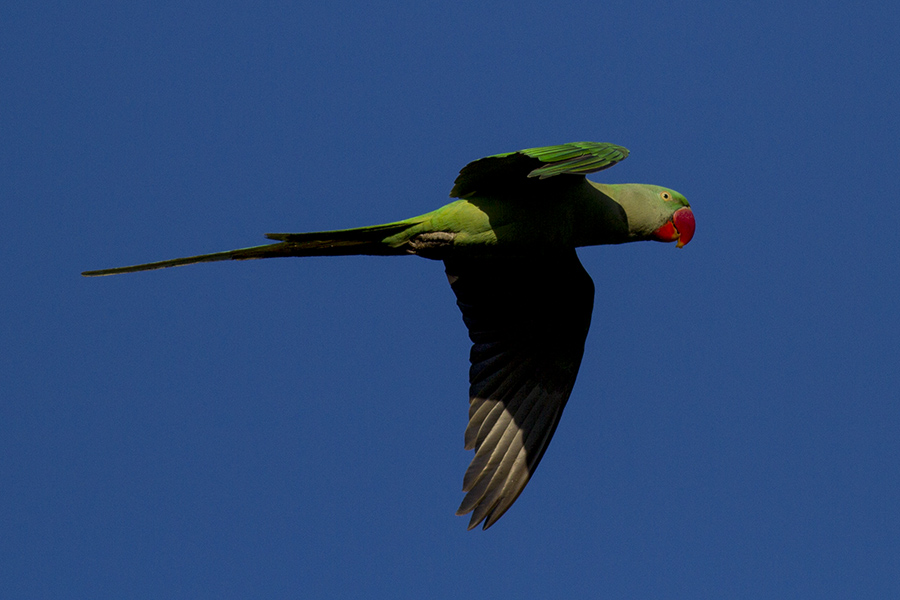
{"type": "Point", "coordinates": [679, 228]}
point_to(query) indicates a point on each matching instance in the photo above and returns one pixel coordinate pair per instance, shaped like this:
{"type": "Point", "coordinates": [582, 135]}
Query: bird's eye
{"type": "Point", "coordinates": [665, 196]}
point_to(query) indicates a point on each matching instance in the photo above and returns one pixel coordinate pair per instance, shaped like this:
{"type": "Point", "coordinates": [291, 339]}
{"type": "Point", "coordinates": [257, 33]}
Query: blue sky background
{"type": "Point", "coordinates": [294, 428]}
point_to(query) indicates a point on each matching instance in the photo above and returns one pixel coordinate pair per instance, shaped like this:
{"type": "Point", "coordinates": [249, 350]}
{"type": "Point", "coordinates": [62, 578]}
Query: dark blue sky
{"type": "Point", "coordinates": [294, 428]}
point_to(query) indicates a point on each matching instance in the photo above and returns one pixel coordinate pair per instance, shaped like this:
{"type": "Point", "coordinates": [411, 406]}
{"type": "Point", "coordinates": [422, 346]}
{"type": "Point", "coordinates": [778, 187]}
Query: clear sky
{"type": "Point", "coordinates": [294, 428]}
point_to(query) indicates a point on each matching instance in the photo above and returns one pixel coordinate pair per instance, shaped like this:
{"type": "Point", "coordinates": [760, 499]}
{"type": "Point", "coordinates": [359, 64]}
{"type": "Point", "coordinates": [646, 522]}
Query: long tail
{"type": "Point", "coordinates": [343, 242]}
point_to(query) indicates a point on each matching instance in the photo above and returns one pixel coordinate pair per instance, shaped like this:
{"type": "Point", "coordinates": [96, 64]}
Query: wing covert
{"type": "Point", "coordinates": [514, 169]}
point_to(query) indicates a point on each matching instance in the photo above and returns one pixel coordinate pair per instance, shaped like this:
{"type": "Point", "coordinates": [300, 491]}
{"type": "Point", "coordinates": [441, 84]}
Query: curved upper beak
{"type": "Point", "coordinates": [680, 228]}
{"type": "Point", "coordinates": [684, 223]}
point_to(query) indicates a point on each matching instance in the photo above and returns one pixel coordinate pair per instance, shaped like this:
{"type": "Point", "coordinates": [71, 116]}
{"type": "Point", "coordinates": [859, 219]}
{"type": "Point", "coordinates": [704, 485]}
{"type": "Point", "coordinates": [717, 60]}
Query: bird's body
{"type": "Point", "coordinates": [508, 247]}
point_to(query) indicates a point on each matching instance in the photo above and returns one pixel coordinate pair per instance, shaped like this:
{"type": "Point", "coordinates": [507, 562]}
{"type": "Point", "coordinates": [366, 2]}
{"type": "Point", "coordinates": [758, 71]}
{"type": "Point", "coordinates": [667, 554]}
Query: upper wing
{"type": "Point", "coordinates": [515, 168]}
{"type": "Point", "coordinates": [528, 319]}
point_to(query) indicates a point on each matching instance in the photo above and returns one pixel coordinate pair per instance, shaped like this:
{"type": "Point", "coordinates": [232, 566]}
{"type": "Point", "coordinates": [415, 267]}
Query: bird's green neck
{"type": "Point", "coordinates": [600, 218]}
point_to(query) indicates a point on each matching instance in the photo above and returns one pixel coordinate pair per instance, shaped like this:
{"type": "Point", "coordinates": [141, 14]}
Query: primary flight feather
{"type": "Point", "coordinates": [508, 246]}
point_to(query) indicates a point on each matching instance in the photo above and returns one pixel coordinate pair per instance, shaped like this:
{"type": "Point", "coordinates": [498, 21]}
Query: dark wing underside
{"type": "Point", "coordinates": [509, 173]}
{"type": "Point", "coordinates": [528, 319]}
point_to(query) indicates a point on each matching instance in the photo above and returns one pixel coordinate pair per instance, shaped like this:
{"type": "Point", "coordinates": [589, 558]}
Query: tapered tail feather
{"type": "Point", "coordinates": [343, 242]}
{"type": "Point", "coordinates": [267, 251]}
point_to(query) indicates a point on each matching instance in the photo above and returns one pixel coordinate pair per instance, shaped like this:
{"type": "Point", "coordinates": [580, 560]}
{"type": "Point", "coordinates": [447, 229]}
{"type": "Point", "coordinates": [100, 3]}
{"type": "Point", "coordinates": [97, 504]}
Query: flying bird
{"type": "Point", "coordinates": [508, 246]}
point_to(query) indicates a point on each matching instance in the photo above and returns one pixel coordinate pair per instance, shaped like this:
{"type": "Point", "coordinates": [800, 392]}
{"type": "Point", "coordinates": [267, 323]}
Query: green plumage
{"type": "Point", "coordinates": [577, 158]}
{"type": "Point", "coordinates": [508, 245]}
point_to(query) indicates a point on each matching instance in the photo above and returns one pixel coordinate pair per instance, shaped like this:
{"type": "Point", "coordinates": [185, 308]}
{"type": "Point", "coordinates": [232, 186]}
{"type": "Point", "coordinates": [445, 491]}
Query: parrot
{"type": "Point", "coordinates": [508, 244]}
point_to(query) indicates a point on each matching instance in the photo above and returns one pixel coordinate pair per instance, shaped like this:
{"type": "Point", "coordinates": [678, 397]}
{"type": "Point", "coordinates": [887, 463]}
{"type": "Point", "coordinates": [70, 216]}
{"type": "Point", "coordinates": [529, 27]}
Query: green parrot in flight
{"type": "Point", "coordinates": [508, 245]}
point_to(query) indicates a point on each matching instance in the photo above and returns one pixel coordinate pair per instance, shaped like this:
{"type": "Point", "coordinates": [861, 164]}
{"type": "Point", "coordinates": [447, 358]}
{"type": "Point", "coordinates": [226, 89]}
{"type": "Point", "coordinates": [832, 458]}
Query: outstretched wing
{"type": "Point", "coordinates": [514, 169]}
{"type": "Point", "coordinates": [528, 319]}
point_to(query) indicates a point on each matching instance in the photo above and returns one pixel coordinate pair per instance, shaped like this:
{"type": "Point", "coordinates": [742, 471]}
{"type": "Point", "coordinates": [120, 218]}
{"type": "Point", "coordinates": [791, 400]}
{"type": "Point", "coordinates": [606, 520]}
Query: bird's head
{"type": "Point", "coordinates": [656, 213]}
{"type": "Point", "coordinates": [679, 225]}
